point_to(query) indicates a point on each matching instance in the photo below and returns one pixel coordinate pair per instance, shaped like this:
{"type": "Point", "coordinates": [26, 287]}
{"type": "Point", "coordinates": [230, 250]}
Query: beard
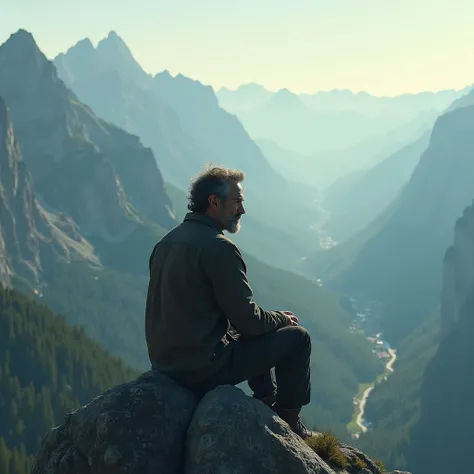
{"type": "Point", "coordinates": [233, 226]}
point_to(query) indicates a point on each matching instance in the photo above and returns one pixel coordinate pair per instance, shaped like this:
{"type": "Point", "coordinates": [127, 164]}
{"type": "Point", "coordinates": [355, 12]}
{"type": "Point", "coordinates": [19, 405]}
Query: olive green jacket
{"type": "Point", "coordinates": [198, 290]}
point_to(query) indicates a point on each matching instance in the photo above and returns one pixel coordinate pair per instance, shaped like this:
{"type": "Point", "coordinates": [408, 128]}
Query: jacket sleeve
{"type": "Point", "coordinates": [235, 296]}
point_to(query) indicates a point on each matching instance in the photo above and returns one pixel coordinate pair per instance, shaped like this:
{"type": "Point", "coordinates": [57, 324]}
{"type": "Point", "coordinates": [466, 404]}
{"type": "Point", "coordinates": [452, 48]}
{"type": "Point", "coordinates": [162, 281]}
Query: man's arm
{"type": "Point", "coordinates": [235, 296]}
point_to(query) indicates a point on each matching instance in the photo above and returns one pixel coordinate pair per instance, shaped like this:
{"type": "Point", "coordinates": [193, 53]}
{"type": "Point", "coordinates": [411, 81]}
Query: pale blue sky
{"type": "Point", "coordinates": [379, 46]}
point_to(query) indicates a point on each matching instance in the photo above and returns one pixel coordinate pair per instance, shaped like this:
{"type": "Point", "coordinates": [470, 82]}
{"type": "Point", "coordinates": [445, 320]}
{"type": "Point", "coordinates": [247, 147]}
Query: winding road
{"type": "Point", "coordinates": [365, 396]}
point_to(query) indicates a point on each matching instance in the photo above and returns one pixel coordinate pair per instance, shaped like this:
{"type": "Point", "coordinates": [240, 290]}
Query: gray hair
{"type": "Point", "coordinates": [213, 180]}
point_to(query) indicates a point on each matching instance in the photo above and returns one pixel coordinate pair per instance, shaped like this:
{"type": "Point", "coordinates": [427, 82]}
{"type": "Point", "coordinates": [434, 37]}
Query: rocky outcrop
{"type": "Point", "coordinates": [152, 425]}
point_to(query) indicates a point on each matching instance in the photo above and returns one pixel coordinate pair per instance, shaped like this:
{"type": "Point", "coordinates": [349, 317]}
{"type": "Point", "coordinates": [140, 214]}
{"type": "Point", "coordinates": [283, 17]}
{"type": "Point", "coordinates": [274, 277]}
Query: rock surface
{"type": "Point", "coordinates": [151, 425]}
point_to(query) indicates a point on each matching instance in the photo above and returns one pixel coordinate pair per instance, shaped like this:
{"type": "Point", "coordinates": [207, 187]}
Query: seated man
{"type": "Point", "coordinates": [203, 328]}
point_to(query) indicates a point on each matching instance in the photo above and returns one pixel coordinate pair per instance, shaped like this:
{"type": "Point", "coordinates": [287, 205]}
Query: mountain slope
{"type": "Point", "coordinates": [182, 121]}
{"type": "Point", "coordinates": [47, 369]}
{"type": "Point", "coordinates": [229, 143]}
{"type": "Point", "coordinates": [415, 230]}
{"type": "Point", "coordinates": [94, 172]}
{"type": "Point", "coordinates": [445, 394]}
{"type": "Point", "coordinates": [101, 78]}
{"type": "Point", "coordinates": [246, 96]}
{"type": "Point", "coordinates": [31, 239]}
{"type": "Point", "coordinates": [285, 119]}
{"type": "Point", "coordinates": [428, 397]}
{"type": "Point", "coordinates": [352, 206]}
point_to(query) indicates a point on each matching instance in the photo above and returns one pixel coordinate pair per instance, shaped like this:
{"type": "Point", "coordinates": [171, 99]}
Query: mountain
{"type": "Point", "coordinates": [110, 51]}
{"type": "Point", "coordinates": [410, 237]}
{"type": "Point", "coordinates": [244, 97]}
{"type": "Point", "coordinates": [427, 398]}
{"type": "Point", "coordinates": [284, 118]}
{"type": "Point", "coordinates": [32, 239]}
{"type": "Point", "coordinates": [227, 140]}
{"type": "Point", "coordinates": [329, 122]}
{"type": "Point", "coordinates": [183, 123]}
{"type": "Point", "coordinates": [289, 163]}
{"type": "Point", "coordinates": [445, 394]}
{"type": "Point", "coordinates": [337, 167]}
{"type": "Point", "coordinates": [94, 172]}
{"type": "Point", "coordinates": [401, 108]}
{"type": "Point", "coordinates": [101, 79]}
{"type": "Point", "coordinates": [107, 300]}
{"type": "Point", "coordinates": [355, 204]}
{"type": "Point", "coordinates": [47, 369]}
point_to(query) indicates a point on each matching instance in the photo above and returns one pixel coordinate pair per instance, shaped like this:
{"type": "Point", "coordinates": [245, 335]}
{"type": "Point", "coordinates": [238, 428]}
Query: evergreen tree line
{"type": "Point", "coordinates": [47, 369]}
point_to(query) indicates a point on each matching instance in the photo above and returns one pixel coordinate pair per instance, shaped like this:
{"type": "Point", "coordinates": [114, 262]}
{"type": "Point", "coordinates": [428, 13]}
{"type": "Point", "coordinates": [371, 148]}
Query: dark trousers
{"type": "Point", "coordinates": [287, 351]}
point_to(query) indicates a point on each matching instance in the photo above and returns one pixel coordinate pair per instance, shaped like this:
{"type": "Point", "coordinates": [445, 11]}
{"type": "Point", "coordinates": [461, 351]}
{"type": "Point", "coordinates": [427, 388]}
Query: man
{"type": "Point", "coordinates": [203, 328]}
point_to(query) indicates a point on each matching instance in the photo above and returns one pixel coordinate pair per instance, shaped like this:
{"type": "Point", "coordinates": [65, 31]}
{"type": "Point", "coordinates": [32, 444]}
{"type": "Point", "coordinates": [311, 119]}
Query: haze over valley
{"type": "Point", "coordinates": [359, 214]}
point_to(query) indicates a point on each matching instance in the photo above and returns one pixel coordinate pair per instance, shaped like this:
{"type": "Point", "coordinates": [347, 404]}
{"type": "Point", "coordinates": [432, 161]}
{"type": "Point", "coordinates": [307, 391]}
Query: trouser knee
{"type": "Point", "coordinates": [302, 338]}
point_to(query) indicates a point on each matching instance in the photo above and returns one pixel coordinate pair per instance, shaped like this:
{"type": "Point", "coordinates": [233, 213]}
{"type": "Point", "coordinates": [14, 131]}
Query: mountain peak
{"type": "Point", "coordinates": [22, 41]}
{"type": "Point", "coordinates": [114, 53]}
{"type": "Point", "coordinates": [251, 86]}
{"type": "Point", "coordinates": [82, 45]}
{"type": "Point", "coordinates": [114, 44]}
{"type": "Point", "coordinates": [286, 98]}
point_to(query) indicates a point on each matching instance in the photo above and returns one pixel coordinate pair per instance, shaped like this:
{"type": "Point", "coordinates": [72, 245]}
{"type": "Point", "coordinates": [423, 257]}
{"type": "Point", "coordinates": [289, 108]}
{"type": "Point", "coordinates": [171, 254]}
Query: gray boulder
{"type": "Point", "coordinates": [231, 433]}
{"type": "Point", "coordinates": [134, 428]}
{"type": "Point", "coordinates": [154, 426]}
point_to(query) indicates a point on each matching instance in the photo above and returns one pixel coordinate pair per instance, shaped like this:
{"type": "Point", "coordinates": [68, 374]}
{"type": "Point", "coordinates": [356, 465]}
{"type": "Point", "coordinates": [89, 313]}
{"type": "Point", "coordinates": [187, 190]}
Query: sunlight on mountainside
{"type": "Point", "coordinates": [352, 125]}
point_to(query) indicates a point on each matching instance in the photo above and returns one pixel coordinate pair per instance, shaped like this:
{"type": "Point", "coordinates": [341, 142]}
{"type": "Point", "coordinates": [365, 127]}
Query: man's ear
{"type": "Point", "coordinates": [213, 201]}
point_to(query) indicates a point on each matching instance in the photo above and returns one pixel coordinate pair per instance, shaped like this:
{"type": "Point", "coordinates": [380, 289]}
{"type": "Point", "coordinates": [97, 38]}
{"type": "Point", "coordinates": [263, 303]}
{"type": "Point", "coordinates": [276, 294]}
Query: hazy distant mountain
{"type": "Point", "coordinates": [110, 53]}
{"type": "Point", "coordinates": [289, 163]}
{"type": "Point", "coordinates": [330, 121]}
{"type": "Point", "coordinates": [182, 121]}
{"type": "Point", "coordinates": [105, 84]}
{"type": "Point", "coordinates": [246, 96]}
{"type": "Point", "coordinates": [284, 119]}
{"type": "Point", "coordinates": [324, 169]}
{"type": "Point", "coordinates": [403, 106]}
{"type": "Point", "coordinates": [399, 261]}
{"type": "Point", "coordinates": [222, 133]}
{"type": "Point", "coordinates": [354, 202]}
{"type": "Point", "coordinates": [464, 100]}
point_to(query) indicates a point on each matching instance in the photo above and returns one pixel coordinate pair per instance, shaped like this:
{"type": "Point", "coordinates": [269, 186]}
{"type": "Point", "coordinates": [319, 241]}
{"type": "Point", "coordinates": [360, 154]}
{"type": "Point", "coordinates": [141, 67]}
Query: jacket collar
{"type": "Point", "coordinates": [204, 219]}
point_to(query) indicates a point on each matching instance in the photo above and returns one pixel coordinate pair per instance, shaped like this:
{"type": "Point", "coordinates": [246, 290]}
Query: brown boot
{"type": "Point", "coordinates": [292, 417]}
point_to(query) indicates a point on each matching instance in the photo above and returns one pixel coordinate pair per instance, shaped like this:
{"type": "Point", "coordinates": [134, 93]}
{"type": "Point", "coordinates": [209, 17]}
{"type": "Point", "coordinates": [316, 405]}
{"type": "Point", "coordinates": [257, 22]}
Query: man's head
{"type": "Point", "coordinates": [217, 192]}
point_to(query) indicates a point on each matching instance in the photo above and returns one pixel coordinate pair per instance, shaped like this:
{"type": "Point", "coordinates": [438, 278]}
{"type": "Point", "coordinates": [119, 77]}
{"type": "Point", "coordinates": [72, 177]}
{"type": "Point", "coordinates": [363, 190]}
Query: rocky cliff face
{"type": "Point", "coordinates": [92, 171]}
{"type": "Point", "coordinates": [458, 271]}
{"type": "Point", "coordinates": [447, 413]}
{"type": "Point", "coordinates": [31, 239]}
{"type": "Point", "coordinates": [152, 425]}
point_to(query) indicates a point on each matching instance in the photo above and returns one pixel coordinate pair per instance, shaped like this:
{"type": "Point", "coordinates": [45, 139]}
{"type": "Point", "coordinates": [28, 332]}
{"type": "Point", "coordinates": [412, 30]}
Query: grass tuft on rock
{"type": "Point", "coordinates": [326, 446]}
{"type": "Point", "coordinates": [360, 464]}
{"type": "Point", "coordinates": [380, 465]}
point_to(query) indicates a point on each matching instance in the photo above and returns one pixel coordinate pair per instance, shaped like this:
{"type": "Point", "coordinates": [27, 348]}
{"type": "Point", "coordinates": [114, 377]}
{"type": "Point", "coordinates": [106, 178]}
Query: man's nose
{"type": "Point", "coordinates": [242, 209]}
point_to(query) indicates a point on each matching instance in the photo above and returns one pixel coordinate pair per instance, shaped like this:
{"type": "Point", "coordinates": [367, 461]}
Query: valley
{"type": "Point", "coordinates": [359, 215]}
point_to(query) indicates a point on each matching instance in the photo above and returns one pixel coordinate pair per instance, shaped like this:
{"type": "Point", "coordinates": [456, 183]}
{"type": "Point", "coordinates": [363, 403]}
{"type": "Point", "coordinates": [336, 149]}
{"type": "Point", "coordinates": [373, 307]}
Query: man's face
{"type": "Point", "coordinates": [231, 209]}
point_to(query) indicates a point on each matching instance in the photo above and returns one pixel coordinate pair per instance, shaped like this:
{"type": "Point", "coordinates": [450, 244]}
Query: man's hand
{"type": "Point", "coordinates": [292, 318]}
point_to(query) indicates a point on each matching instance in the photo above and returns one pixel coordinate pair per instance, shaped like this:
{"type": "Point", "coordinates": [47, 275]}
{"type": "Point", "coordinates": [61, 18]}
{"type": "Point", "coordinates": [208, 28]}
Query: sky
{"type": "Point", "coordinates": [378, 46]}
